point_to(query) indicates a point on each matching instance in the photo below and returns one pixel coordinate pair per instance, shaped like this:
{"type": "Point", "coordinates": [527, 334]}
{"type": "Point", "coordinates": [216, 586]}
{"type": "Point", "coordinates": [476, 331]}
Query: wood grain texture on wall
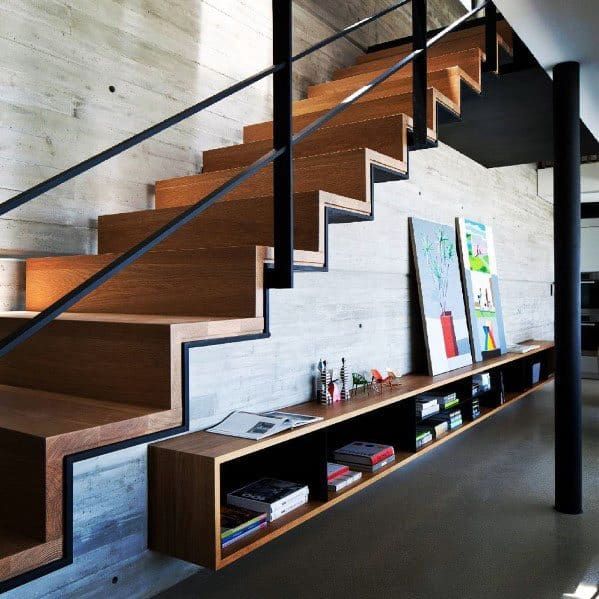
{"type": "Point", "coordinates": [362, 309]}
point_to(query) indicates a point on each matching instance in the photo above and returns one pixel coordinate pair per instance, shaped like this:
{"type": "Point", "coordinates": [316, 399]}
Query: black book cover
{"type": "Point", "coordinates": [267, 490]}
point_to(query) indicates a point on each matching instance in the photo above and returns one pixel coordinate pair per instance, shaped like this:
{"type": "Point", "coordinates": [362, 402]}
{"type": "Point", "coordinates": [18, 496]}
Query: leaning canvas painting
{"type": "Point", "coordinates": [479, 268]}
{"type": "Point", "coordinates": [441, 295]}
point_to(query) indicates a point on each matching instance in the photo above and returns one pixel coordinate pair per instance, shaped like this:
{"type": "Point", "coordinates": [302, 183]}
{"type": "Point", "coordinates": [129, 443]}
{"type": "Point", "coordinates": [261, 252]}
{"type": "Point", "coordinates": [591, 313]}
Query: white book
{"type": "Point", "coordinates": [299, 501]}
{"type": "Point", "coordinates": [428, 411]}
{"type": "Point", "coordinates": [522, 348]}
{"type": "Point", "coordinates": [258, 426]}
{"type": "Point", "coordinates": [426, 403]}
{"type": "Point", "coordinates": [267, 495]}
{"type": "Point", "coordinates": [344, 480]}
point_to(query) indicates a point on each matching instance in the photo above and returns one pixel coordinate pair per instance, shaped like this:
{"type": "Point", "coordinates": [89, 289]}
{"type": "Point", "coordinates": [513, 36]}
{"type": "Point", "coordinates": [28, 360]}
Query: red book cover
{"type": "Point", "coordinates": [335, 470]}
{"type": "Point", "coordinates": [361, 452]}
{"type": "Point", "coordinates": [382, 455]}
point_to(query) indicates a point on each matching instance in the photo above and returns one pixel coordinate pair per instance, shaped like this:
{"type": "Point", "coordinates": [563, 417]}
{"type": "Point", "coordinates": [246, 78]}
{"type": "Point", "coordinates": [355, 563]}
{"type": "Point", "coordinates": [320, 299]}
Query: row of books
{"type": "Point", "coordinates": [339, 476]}
{"type": "Point", "coordinates": [429, 404]}
{"type": "Point", "coordinates": [365, 456]}
{"type": "Point", "coordinates": [250, 508]}
{"type": "Point", "coordinates": [437, 426]}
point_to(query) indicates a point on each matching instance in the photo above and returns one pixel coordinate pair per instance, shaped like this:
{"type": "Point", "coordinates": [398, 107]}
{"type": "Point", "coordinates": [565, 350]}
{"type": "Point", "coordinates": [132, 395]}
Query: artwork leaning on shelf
{"type": "Point", "coordinates": [479, 269]}
{"type": "Point", "coordinates": [441, 295]}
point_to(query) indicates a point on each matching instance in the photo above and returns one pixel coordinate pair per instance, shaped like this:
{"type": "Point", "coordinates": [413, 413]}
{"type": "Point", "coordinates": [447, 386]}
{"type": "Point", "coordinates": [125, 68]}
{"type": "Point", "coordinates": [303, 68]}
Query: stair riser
{"type": "Point", "coordinates": [469, 61]}
{"type": "Point", "coordinates": [451, 40]}
{"type": "Point", "coordinates": [22, 471]}
{"type": "Point", "coordinates": [223, 283]}
{"type": "Point", "coordinates": [475, 41]}
{"type": "Point", "coordinates": [231, 223]}
{"type": "Point", "coordinates": [119, 362]}
{"type": "Point", "coordinates": [343, 174]}
{"type": "Point", "coordinates": [384, 135]}
{"type": "Point", "coordinates": [387, 105]}
{"type": "Point", "coordinates": [447, 82]}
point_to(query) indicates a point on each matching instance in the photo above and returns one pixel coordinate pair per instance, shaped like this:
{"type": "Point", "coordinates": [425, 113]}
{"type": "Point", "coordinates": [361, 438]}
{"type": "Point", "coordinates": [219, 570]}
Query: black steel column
{"type": "Point", "coordinates": [490, 38]}
{"type": "Point", "coordinates": [568, 404]}
{"type": "Point", "coordinates": [282, 275]}
{"type": "Point", "coordinates": [419, 74]}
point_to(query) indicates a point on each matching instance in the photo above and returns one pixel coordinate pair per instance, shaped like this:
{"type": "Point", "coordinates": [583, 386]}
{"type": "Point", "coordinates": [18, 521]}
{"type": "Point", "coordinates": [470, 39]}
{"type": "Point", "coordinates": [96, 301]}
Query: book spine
{"type": "Point", "coordinates": [365, 460]}
{"type": "Point", "coordinates": [288, 508]}
{"type": "Point", "coordinates": [239, 529]}
{"type": "Point", "coordinates": [244, 534]}
{"type": "Point", "coordinates": [348, 480]}
{"type": "Point", "coordinates": [343, 470]}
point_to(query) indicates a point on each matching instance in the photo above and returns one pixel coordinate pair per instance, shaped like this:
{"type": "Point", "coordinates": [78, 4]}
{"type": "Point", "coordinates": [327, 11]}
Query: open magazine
{"type": "Point", "coordinates": [258, 426]}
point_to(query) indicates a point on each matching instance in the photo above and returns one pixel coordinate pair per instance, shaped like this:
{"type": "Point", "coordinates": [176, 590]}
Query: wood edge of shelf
{"type": "Point", "coordinates": [314, 508]}
{"type": "Point", "coordinates": [385, 399]}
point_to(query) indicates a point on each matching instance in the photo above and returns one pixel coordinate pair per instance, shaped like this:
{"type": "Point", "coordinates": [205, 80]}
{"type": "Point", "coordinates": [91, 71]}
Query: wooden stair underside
{"type": "Point", "coordinates": [86, 381]}
{"type": "Point", "coordinates": [111, 369]}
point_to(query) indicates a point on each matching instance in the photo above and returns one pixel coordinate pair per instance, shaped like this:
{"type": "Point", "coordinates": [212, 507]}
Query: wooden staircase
{"type": "Point", "coordinates": [111, 369]}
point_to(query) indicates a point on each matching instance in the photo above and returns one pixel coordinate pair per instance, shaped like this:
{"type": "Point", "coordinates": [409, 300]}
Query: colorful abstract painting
{"type": "Point", "coordinates": [441, 296]}
{"type": "Point", "coordinates": [479, 269]}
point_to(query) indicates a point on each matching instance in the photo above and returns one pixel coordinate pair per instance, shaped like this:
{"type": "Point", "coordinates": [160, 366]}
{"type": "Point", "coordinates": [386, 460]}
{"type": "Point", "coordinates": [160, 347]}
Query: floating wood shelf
{"type": "Point", "coordinates": [190, 475]}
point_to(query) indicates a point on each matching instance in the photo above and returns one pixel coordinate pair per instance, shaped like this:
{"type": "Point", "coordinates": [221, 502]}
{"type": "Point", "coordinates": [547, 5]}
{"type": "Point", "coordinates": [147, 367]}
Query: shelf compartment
{"type": "Point", "coordinates": [190, 475]}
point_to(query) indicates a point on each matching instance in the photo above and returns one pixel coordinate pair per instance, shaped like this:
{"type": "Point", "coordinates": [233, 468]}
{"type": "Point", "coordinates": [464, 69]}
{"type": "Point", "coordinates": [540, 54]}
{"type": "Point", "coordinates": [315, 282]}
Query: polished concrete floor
{"type": "Point", "coordinates": [472, 519]}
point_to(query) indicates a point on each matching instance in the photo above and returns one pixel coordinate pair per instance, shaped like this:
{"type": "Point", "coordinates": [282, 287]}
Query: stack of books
{"type": "Point", "coordinates": [444, 400]}
{"type": "Point", "coordinates": [426, 406]}
{"type": "Point", "coordinates": [271, 496]}
{"type": "Point", "coordinates": [481, 383]}
{"type": "Point", "coordinates": [424, 436]}
{"type": "Point", "coordinates": [475, 408]}
{"type": "Point", "coordinates": [437, 429]}
{"type": "Point", "coordinates": [237, 523]}
{"type": "Point", "coordinates": [340, 476]}
{"type": "Point", "coordinates": [453, 418]}
{"type": "Point", "coordinates": [364, 456]}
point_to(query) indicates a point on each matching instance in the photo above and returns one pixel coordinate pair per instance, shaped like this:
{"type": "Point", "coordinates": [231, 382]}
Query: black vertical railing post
{"type": "Point", "coordinates": [282, 274]}
{"type": "Point", "coordinates": [567, 234]}
{"type": "Point", "coordinates": [491, 38]}
{"type": "Point", "coordinates": [419, 74]}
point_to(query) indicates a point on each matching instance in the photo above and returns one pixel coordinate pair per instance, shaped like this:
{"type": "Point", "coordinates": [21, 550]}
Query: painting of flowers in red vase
{"type": "Point", "coordinates": [441, 296]}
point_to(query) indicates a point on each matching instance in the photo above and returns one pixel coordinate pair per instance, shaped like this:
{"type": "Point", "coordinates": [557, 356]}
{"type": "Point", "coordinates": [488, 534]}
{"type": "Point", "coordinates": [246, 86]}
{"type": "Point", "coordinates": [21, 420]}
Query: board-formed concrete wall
{"type": "Point", "coordinates": [59, 57]}
{"type": "Point", "coordinates": [362, 309]}
{"type": "Point", "coordinates": [58, 61]}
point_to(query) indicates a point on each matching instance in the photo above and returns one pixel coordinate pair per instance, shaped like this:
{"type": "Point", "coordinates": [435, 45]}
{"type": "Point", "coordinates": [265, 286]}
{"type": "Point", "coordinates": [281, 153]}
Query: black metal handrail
{"type": "Point", "coordinates": [86, 165]}
{"type": "Point", "coordinates": [68, 300]}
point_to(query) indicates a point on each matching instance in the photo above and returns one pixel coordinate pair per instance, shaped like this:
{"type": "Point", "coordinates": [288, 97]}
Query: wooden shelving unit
{"type": "Point", "coordinates": [190, 475]}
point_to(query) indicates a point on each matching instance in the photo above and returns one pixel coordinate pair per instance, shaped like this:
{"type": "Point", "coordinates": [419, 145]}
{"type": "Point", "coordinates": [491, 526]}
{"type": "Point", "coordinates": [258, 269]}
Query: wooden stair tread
{"type": "Point", "coordinates": [391, 98]}
{"type": "Point", "coordinates": [452, 40]}
{"type": "Point", "coordinates": [476, 41]}
{"type": "Point", "coordinates": [342, 173]}
{"type": "Point", "coordinates": [383, 134]}
{"type": "Point", "coordinates": [469, 61]}
{"type": "Point", "coordinates": [216, 281]}
{"type": "Point", "coordinates": [20, 553]}
{"type": "Point", "coordinates": [141, 319]}
{"type": "Point", "coordinates": [47, 415]}
{"type": "Point", "coordinates": [234, 222]}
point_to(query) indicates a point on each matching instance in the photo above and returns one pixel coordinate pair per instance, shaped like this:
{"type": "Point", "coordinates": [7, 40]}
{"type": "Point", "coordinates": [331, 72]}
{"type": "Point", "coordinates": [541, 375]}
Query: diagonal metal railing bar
{"type": "Point", "coordinates": [349, 29]}
{"type": "Point", "coordinates": [80, 168]}
{"type": "Point", "coordinates": [121, 262]}
{"type": "Point", "coordinates": [360, 93]}
{"type": "Point", "coordinates": [89, 163]}
{"type": "Point", "coordinates": [110, 270]}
